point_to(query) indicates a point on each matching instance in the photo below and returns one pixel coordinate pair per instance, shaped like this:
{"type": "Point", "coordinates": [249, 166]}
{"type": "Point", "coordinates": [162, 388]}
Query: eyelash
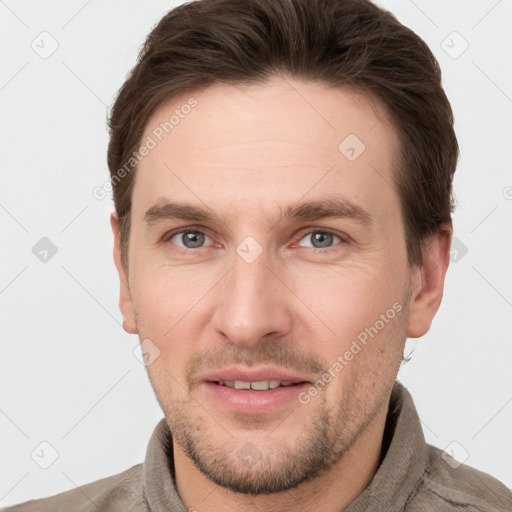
{"type": "Point", "coordinates": [344, 239]}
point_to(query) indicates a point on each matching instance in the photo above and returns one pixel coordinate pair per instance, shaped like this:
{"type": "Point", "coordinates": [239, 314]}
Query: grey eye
{"type": "Point", "coordinates": [320, 239]}
{"type": "Point", "coordinates": [189, 239]}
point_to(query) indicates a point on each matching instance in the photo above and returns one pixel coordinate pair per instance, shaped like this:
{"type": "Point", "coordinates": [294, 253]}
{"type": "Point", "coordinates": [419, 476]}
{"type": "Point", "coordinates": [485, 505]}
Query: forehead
{"type": "Point", "coordinates": [252, 145]}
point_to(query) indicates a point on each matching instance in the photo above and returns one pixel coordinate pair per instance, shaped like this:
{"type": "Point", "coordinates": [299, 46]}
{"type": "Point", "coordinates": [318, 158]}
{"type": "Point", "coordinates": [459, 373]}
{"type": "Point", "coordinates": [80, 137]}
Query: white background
{"type": "Point", "coordinates": [68, 372]}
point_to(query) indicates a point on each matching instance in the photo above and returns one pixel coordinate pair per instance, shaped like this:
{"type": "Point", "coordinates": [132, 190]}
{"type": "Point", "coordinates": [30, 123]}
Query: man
{"type": "Point", "coordinates": [282, 175]}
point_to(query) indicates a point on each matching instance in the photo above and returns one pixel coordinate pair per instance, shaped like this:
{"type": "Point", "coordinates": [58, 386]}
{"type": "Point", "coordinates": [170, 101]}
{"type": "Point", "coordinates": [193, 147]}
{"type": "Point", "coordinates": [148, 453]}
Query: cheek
{"type": "Point", "coordinates": [165, 294]}
{"type": "Point", "coordinates": [171, 310]}
{"type": "Point", "coordinates": [350, 301]}
{"type": "Point", "coordinates": [158, 306]}
{"type": "Point", "coordinates": [348, 298]}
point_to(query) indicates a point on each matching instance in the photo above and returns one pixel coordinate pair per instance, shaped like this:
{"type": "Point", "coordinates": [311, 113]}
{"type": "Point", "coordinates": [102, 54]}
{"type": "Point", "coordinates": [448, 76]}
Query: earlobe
{"type": "Point", "coordinates": [125, 299]}
{"type": "Point", "coordinates": [428, 284]}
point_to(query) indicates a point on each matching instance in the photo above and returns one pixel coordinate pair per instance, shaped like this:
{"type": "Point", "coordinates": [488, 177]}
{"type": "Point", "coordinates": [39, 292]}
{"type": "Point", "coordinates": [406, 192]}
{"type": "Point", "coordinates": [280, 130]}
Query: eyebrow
{"type": "Point", "coordinates": [327, 208]}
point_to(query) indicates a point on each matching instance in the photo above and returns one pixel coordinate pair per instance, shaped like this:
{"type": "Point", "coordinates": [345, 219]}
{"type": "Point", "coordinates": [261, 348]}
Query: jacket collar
{"type": "Point", "coordinates": [404, 462]}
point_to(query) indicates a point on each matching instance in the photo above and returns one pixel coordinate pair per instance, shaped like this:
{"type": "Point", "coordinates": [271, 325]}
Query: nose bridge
{"type": "Point", "coordinates": [250, 304]}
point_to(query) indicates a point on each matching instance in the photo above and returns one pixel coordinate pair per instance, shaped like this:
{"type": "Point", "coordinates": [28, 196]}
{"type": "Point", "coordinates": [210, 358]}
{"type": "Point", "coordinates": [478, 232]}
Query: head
{"type": "Point", "coordinates": [282, 177]}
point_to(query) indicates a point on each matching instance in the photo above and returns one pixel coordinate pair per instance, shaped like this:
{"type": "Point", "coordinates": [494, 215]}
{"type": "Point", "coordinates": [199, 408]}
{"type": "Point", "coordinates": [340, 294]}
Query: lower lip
{"type": "Point", "coordinates": [254, 402]}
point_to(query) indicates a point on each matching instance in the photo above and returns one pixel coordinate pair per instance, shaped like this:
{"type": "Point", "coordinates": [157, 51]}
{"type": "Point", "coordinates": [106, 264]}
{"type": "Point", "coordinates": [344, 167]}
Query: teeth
{"type": "Point", "coordinates": [242, 385]}
{"type": "Point", "coordinates": [262, 385]}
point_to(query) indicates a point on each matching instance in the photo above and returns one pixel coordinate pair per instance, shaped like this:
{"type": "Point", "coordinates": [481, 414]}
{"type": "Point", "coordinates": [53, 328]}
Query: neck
{"type": "Point", "coordinates": [331, 491]}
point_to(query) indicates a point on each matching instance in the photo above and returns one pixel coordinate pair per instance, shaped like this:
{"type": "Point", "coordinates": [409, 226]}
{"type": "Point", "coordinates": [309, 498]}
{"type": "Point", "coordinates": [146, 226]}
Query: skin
{"type": "Point", "coordinates": [244, 152]}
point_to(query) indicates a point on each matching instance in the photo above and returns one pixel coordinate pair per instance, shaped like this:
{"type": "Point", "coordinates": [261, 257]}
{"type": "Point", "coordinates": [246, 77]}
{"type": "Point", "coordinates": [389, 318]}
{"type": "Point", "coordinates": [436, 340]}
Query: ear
{"type": "Point", "coordinates": [428, 283]}
{"type": "Point", "coordinates": [125, 299]}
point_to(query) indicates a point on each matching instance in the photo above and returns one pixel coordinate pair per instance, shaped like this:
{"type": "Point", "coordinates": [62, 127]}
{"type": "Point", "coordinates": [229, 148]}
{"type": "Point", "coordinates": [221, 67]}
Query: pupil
{"type": "Point", "coordinates": [192, 240]}
{"type": "Point", "coordinates": [324, 239]}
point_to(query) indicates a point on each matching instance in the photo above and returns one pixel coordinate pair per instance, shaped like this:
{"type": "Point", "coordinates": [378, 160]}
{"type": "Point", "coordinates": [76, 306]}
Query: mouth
{"type": "Point", "coordinates": [250, 391]}
{"type": "Point", "coordinates": [261, 385]}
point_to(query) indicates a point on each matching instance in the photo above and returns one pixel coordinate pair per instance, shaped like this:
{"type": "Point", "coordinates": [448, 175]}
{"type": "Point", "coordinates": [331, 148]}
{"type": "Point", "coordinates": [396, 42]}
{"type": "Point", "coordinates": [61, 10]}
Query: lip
{"type": "Point", "coordinates": [253, 375]}
{"type": "Point", "coordinates": [252, 402]}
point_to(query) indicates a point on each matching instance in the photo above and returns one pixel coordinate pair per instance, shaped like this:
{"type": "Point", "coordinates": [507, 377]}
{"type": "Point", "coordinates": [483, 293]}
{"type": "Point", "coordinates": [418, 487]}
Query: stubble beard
{"type": "Point", "coordinates": [326, 435]}
{"type": "Point", "coordinates": [244, 468]}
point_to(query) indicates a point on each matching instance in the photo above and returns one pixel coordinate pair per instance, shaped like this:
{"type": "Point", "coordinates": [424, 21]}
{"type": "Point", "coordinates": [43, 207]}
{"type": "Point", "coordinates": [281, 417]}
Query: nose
{"type": "Point", "coordinates": [251, 303]}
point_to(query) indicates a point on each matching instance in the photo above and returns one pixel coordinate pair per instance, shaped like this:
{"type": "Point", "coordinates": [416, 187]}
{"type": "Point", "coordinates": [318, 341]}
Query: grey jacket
{"type": "Point", "coordinates": [412, 477]}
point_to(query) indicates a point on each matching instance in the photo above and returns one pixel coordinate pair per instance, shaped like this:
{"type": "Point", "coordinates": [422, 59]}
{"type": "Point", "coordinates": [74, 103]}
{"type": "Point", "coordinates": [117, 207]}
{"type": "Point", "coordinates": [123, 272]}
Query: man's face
{"type": "Point", "coordinates": [252, 294]}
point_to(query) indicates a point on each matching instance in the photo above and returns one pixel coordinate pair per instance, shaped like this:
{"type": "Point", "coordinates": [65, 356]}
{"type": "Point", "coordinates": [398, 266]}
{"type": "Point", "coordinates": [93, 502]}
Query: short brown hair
{"type": "Point", "coordinates": [337, 42]}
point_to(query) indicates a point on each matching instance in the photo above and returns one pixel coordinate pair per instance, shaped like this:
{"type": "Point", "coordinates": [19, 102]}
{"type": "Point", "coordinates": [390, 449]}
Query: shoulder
{"type": "Point", "coordinates": [447, 486]}
{"type": "Point", "coordinates": [114, 493]}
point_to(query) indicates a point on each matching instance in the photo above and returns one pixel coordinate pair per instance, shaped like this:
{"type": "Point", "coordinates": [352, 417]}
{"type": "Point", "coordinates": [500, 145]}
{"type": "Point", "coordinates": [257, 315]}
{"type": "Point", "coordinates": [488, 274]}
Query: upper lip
{"type": "Point", "coordinates": [252, 374]}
